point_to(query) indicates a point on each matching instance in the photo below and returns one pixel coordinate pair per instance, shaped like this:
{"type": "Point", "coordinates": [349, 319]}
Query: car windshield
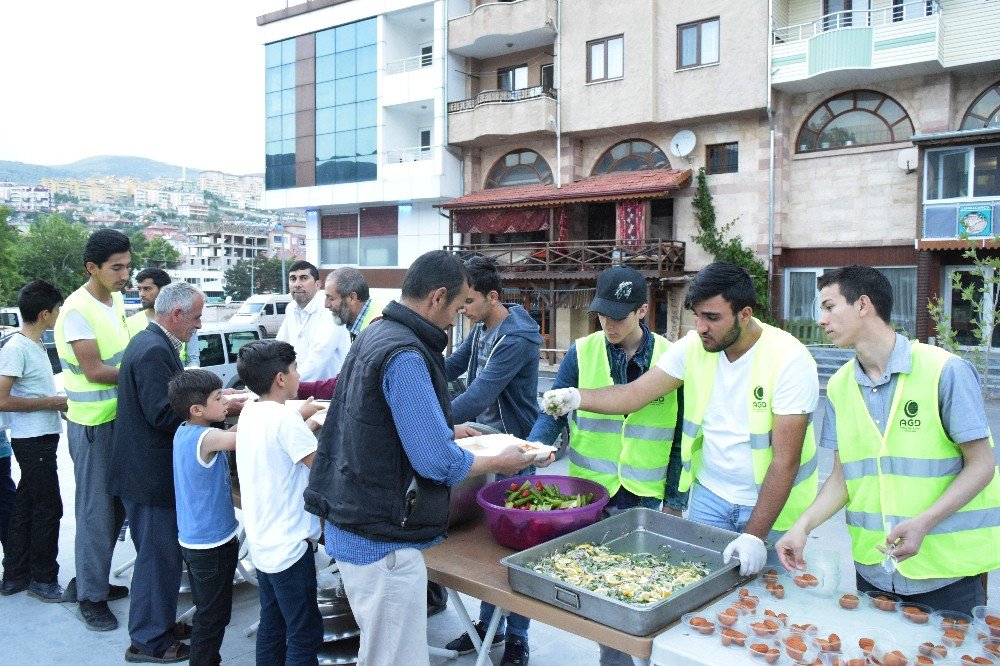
{"type": "Point", "coordinates": [8, 319]}
{"type": "Point", "coordinates": [251, 308]}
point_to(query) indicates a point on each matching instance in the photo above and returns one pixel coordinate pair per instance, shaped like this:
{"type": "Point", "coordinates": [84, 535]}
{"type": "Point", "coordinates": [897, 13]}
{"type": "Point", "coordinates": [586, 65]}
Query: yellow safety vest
{"type": "Point", "coordinates": [374, 310]}
{"type": "Point", "coordinates": [615, 450]}
{"type": "Point", "coordinates": [139, 321]}
{"type": "Point", "coordinates": [91, 403]}
{"type": "Point", "coordinates": [773, 346]}
{"type": "Point", "coordinates": [894, 477]}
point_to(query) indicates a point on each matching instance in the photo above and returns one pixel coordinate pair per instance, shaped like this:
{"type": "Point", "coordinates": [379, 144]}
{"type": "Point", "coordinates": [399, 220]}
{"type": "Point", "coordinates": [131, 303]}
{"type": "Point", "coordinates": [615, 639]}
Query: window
{"type": "Point", "coordinates": [235, 341]}
{"type": "Point", "coordinates": [268, 310]}
{"type": "Point", "coordinates": [855, 118]}
{"type": "Point", "coordinates": [985, 111]}
{"type": "Point", "coordinates": [367, 238]}
{"type": "Point", "coordinates": [722, 158]}
{"type": "Point", "coordinates": [426, 56]}
{"type": "Point", "coordinates": [425, 141]}
{"type": "Point", "coordinates": [906, 10]}
{"type": "Point", "coordinates": [547, 76]}
{"type": "Point", "coordinates": [521, 167]}
{"type": "Point", "coordinates": [952, 173]}
{"type": "Point", "coordinates": [698, 43]}
{"type": "Point", "coordinates": [281, 307]}
{"type": "Point", "coordinates": [512, 78]}
{"type": "Point", "coordinates": [963, 315]}
{"type": "Point", "coordinates": [279, 112]}
{"type": "Point", "coordinates": [632, 155]}
{"type": "Point", "coordinates": [210, 350]}
{"type": "Point", "coordinates": [837, 14]}
{"type": "Point", "coordinates": [606, 58]}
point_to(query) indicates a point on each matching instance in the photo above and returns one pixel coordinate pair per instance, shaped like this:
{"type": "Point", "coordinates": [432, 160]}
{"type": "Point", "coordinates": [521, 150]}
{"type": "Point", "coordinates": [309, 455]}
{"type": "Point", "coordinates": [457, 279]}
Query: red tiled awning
{"type": "Point", "coordinates": [605, 187]}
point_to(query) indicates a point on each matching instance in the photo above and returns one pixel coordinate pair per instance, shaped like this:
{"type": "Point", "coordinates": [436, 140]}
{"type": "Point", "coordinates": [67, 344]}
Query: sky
{"type": "Point", "coordinates": [181, 82]}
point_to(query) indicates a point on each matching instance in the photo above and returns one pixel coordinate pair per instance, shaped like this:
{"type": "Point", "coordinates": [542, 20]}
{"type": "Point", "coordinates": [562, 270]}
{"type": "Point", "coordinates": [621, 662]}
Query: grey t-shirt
{"type": "Point", "coordinates": [28, 364]}
{"type": "Point", "coordinates": [484, 346]}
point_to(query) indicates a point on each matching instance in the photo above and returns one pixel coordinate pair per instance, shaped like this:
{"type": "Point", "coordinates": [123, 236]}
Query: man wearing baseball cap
{"type": "Point", "coordinates": [635, 456]}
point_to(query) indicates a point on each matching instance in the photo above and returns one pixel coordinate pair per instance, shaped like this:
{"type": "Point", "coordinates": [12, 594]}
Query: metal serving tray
{"type": "Point", "coordinates": [633, 531]}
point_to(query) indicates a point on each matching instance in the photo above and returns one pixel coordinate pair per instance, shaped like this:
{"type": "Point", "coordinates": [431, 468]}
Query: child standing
{"type": "Point", "coordinates": [206, 519]}
{"type": "Point", "coordinates": [275, 451]}
{"type": "Point", "coordinates": [28, 392]}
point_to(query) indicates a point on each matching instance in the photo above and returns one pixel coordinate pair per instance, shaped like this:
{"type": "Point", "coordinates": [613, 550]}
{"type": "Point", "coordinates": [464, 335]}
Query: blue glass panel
{"type": "Point", "coordinates": [346, 37]}
{"type": "Point", "coordinates": [288, 126]}
{"type": "Point", "coordinates": [345, 64]}
{"type": "Point", "coordinates": [367, 168]}
{"type": "Point", "coordinates": [367, 60]}
{"type": "Point", "coordinates": [272, 129]}
{"type": "Point", "coordinates": [272, 79]}
{"type": "Point", "coordinates": [288, 101]}
{"type": "Point", "coordinates": [288, 175]}
{"type": "Point", "coordinates": [367, 141]}
{"type": "Point", "coordinates": [325, 68]}
{"type": "Point", "coordinates": [270, 178]}
{"type": "Point", "coordinates": [325, 121]}
{"type": "Point", "coordinates": [325, 94]}
{"type": "Point", "coordinates": [325, 147]}
{"type": "Point", "coordinates": [325, 42]}
{"type": "Point", "coordinates": [345, 90]}
{"type": "Point", "coordinates": [272, 104]}
{"type": "Point", "coordinates": [345, 117]}
{"type": "Point", "coordinates": [288, 51]}
{"type": "Point", "coordinates": [288, 150]}
{"type": "Point", "coordinates": [288, 76]}
{"type": "Point", "coordinates": [367, 114]}
{"type": "Point", "coordinates": [366, 32]}
{"type": "Point", "coordinates": [367, 87]}
{"type": "Point", "coordinates": [273, 148]}
{"type": "Point", "coordinates": [272, 55]}
{"type": "Point", "coordinates": [345, 144]}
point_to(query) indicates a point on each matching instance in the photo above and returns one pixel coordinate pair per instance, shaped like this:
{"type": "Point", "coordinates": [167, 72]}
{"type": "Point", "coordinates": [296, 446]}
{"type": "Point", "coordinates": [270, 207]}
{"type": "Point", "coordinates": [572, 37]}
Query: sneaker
{"type": "Point", "coordinates": [463, 644]}
{"type": "Point", "coordinates": [97, 616]}
{"type": "Point", "coordinates": [515, 653]}
{"type": "Point", "coordinates": [9, 587]}
{"type": "Point", "coordinates": [115, 592]}
{"type": "Point", "coordinates": [176, 652]}
{"type": "Point", "coordinates": [50, 593]}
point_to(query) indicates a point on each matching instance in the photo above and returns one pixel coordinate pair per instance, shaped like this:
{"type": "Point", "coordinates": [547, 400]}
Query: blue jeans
{"type": "Point", "coordinates": [708, 508]}
{"type": "Point", "coordinates": [291, 629]}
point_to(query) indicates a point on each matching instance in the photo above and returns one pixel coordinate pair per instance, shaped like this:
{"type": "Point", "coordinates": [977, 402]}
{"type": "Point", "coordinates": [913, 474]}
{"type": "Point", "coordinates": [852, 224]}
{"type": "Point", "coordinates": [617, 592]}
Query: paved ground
{"type": "Point", "coordinates": [51, 633]}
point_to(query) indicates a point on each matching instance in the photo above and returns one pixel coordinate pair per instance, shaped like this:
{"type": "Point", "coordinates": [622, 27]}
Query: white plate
{"type": "Point", "coordinates": [319, 417]}
{"type": "Point", "coordinates": [491, 445]}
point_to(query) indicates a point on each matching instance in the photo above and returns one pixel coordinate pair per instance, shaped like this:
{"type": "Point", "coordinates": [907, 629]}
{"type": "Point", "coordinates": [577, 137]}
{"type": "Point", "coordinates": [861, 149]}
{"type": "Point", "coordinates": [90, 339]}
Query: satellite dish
{"type": "Point", "coordinates": [907, 160]}
{"type": "Point", "coordinates": [683, 143]}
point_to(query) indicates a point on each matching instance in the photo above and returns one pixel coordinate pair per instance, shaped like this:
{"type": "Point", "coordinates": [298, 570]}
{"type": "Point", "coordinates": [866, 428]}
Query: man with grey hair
{"type": "Point", "coordinates": [348, 298]}
{"type": "Point", "coordinates": [141, 472]}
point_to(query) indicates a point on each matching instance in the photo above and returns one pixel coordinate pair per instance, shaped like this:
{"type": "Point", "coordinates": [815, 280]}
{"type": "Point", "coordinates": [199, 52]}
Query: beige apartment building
{"type": "Point", "coordinates": [831, 132]}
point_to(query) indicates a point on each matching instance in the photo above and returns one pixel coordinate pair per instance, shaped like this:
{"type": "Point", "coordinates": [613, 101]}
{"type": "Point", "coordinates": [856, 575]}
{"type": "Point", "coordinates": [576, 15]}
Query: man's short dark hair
{"type": "Point", "coordinates": [157, 275]}
{"type": "Point", "coordinates": [348, 279]}
{"type": "Point", "coordinates": [258, 363]}
{"type": "Point", "coordinates": [302, 265]}
{"type": "Point", "coordinates": [724, 279]}
{"type": "Point", "coordinates": [484, 276]}
{"type": "Point", "coordinates": [35, 297]}
{"type": "Point", "coordinates": [433, 270]}
{"type": "Point", "coordinates": [102, 244]}
{"type": "Point", "coordinates": [189, 388]}
{"type": "Point", "coordinates": [855, 281]}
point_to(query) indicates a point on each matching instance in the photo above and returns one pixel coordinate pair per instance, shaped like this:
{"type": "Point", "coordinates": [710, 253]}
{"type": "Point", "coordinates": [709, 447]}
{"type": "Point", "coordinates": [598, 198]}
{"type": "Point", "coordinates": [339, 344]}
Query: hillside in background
{"type": "Point", "coordinates": [102, 165]}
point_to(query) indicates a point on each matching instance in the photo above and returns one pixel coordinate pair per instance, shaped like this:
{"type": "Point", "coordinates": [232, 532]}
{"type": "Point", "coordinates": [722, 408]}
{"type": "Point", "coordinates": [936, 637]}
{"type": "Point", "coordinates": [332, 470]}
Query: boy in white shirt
{"type": "Point", "coordinates": [275, 450]}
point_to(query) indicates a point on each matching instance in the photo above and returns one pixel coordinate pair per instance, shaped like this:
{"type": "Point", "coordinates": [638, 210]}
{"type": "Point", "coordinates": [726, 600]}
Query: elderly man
{"type": "Point", "coordinates": [320, 342]}
{"type": "Point", "coordinates": [149, 282]}
{"type": "Point", "coordinates": [348, 299]}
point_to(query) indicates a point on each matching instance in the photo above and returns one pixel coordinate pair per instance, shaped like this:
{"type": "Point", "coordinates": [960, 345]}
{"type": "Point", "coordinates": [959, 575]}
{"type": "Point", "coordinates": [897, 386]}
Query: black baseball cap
{"type": "Point", "coordinates": [619, 291]}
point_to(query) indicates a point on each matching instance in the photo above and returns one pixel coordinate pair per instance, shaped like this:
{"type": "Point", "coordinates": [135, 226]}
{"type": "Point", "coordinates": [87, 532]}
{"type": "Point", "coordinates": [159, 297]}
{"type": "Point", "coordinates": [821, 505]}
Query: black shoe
{"type": "Point", "coordinates": [97, 616]}
{"type": "Point", "coordinates": [9, 587]}
{"type": "Point", "coordinates": [434, 609]}
{"type": "Point", "coordinates": [463, 644]}
{"type": "Point", "coordinates": [515, 653]}
{"type": "Point", "coordinates": [115, 592]}
{"type": "Point", "coordinates": [50, 593]}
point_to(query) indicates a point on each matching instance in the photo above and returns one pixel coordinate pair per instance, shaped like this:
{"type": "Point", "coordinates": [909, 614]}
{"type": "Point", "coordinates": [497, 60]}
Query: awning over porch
{"type": "Point", "coordinates": [956, 137]}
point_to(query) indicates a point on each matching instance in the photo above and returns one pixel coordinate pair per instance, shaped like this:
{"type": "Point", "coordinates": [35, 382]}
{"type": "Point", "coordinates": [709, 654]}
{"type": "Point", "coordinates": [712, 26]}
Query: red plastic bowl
{"type": "Point", "coordinates": [523, 529]}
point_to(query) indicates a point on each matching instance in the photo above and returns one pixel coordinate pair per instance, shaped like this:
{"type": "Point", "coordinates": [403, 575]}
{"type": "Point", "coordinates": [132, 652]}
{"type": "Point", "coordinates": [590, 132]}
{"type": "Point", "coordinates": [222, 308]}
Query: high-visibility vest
{"type": "Point", "coordinates": [615, 450]}
{"type": "Point", "coordinates": [374, 311]}
{"type": "Point", "coordinates": [139, 321]}
{"type": "Point", "coordinates": [894, 477]}
{"type": "Point", "coordinates": [771, 350]}
{"type": "Point", "coordinates": [91, 403]}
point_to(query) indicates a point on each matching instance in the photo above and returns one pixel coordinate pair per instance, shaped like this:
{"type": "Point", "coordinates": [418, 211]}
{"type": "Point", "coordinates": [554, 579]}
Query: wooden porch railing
{"type": "Point", "coordinates": [577, 258]}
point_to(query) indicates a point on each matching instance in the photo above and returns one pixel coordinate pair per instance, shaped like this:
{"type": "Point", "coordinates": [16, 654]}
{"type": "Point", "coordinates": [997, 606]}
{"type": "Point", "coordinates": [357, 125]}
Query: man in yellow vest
{"type": "Point", "coordinates": [150, 281]}
{"type": "Point", "coordinates": [750, 389]}
{"type": "Point", "coordinates": [347, 297]}
{"type": "Point", "coordinates": [91, 336]}
{"type": "Point", "coordinates": [913, 456]}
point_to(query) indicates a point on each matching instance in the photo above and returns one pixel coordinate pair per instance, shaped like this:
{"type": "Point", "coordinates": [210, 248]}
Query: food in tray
{"type": "Point", "coordinates": [915, 615]}
{"type": "Point", "coordinates": [830, 644]}
{"type": "Point", "coordinates": [780, 616]}
{"type": "Point", "coordinates": [541, 497]}
{"type": "Point", "coordinates": [884, 603]}
{"type": "Point", "coordinates": [993, 622]}
{"type": "Point", "coordinates": [795, 647]}
{"type": "Point", "coordinates": [894, 658]}
{"type": "Point", "coordinates": [844, 661]}
{"type": "Point", "coordinates": [732, 637]}
{"type": "Point", "coordinates": [806, 580]}
{"type": "Point", "coordinates": [866, 645]}
{"type": "Point", "coordinates": [728, 617]}
{"type": "Point", "coordinates": [992, 648]}
{"type": "Point", "coordinates": [491, 445]}
{"type": "Point", "coordinates": [702, 625]}
{"type": "Point", "coordinates": [974, 661]}
{"type": "Point", "coordinates": [953, 638]}
{"type": "Point", "coordinates": [770, 576]}
{"type": "Point", "coordinates": [924, 660]}
{"type": "Point", "coordinates": [765, 652]}
{"type": "Point", "coordinates": [849, 602]}
{"type": "Point", "coordinates": [635, 578]}
{"type": "Point", "coordinates": [932, 650]}
{"type": "Point", "coordinates": [766, 627]}
{"type": "Point", "coordinates": [777, 591]}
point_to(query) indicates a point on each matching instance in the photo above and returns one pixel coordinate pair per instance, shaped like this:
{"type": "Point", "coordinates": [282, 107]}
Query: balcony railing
{"type": "Point", "coordinates": [410, 64]}
{"type": "Point", "coordinates": [861, 18]}
{"type": "Point", "coordinates": [398, 155]}
{"type": "Point", "coordinates": [579, 258]}
{"type": "Point", "coordinates": [492, 96]}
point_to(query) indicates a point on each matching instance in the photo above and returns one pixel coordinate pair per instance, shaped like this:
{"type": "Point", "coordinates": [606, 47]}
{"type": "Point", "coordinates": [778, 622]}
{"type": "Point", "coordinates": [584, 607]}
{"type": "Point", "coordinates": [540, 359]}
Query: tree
{"type": "Point", "coordinates": [11, 279]}
{"type": "Point", "coordinates": [158, 253]}
{"type": "Point", "coordinates": [266, 277]}
{"type": "Point", "coordinates": [53, 251]}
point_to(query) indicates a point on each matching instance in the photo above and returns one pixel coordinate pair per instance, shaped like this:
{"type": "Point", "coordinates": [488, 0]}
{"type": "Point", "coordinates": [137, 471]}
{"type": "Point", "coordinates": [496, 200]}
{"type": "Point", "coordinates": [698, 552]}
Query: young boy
{"type": "Point", "coordinates": [28, 392]}
{"type": "Point", "coordinates": [275, 451]}
{"type": "Point", "coordinates": [206, 519]}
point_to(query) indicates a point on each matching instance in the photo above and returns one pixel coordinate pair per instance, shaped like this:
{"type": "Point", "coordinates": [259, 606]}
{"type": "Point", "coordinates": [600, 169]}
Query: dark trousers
{"type": "Point", "coordinates": [33, 537]}
{"type": "Point", "coordinates": [7, 493]}
{"type": "Point", "coordinates": [962, 595]}
{"type": "Point", "coordinates": [291, 629]}
{"type": "Point", "coordinates": [211, 573]}
{"type": "Point", "coordinates": [156, 578]}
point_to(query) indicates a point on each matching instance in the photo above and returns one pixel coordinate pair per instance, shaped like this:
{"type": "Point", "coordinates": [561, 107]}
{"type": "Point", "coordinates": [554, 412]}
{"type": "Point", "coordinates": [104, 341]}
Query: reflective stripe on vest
{"type": "Point", "coordinates": [374, 310]}
{"type": "Point", "coordinates": [91, 403]}
{"type": "Point", "coordinates": [618, 451]}
{"type": "Point", "coordinates": [893, 477]}
{"type": "Point", "coordinates": [770, 352]}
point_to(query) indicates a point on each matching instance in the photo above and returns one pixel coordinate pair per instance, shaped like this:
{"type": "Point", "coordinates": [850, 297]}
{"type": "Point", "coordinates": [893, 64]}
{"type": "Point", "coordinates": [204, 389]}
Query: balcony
{"type": "Point", "coordinates": [495, 113]}
{"type": "Point", "coordinates": [852, 48]}
{"type": "Point", "coordinates": [495, 28]}
{"type": "Point", "coordinates": [576, 260]}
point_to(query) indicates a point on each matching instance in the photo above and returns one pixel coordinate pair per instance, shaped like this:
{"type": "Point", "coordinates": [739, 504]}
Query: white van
{"type": "Point", "coordinates": [10, 320]}
{"type": "Point", "coordinates": [265, 311]}
{"type": "Point", "coordinates": [219, 344]}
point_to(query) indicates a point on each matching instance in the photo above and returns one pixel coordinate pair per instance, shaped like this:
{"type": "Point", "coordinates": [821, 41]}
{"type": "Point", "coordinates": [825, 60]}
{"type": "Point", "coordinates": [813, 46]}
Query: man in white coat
{"type": "Point", "coordinates": [320, 344]}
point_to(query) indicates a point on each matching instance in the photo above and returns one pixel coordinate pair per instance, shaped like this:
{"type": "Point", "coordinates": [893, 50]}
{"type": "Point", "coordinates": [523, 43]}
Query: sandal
{"type": "Point", "coordinates": [176, 652]}
{"type": "Point", "coordinates": [182, 631]}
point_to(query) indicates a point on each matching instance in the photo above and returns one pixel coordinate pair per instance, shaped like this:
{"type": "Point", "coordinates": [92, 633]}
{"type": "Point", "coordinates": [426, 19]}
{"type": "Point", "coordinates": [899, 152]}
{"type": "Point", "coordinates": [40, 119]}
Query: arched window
{"type": "Point", "coordinates": [631, 155]}
{"type": "Point", "coordinates": [985, 111]}
{"type": "Point", "coordinates": [854, 118]}
{"type": "Point", "coordinates": [520, 167]}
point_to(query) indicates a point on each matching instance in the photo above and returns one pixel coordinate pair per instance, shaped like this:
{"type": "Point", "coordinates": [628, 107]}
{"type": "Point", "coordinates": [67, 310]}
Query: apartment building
{"type": "Point", "coordinates": [239, 191]}
{"type": "Point", "coordinates": [94, 190]}
{"type": "Point", "coordinates": [355, 130]}
{"type": "Point", "coordinates": [26, 198]}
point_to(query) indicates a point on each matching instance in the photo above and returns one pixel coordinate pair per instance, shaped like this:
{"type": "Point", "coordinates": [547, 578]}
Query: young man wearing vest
{"type": "Point", "coordinates": [91, 335]}
{"type": "Point", "coordinates": [347, 297]}
{"type": "Point", "coordinates": [637, 456]}
{"type": "Point", "coordinates": [320, 342]}
{"type": "Point", "coordinates": [749, 391]}
{"type": "Point", "coordinates": [913, 456]}
{"type": "Point", "coordinates": [150, 281]}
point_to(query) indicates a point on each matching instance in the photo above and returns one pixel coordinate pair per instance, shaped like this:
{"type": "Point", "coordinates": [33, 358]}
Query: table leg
{"type": "Point", "coordinates": [491, 630]}
{"type": "Point", "coordinates": [463, 615]}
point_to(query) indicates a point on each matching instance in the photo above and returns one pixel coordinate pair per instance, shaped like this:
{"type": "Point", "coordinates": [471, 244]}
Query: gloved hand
{"type": "Point", "coordinates": [750, 550]}
{"type": "Point", "coordinates": [558, 402]}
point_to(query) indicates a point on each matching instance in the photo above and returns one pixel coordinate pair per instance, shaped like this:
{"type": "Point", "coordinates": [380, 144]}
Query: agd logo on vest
{"type": "Point", "coordinates": [909, 422]}
{"type": "Point", "coordinates": [758, 404]}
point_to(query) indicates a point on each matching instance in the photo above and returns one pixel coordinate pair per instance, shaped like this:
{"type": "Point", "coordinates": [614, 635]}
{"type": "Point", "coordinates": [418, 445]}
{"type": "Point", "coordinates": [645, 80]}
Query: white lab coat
{"type": "Point", "coordinates": [320, 344]}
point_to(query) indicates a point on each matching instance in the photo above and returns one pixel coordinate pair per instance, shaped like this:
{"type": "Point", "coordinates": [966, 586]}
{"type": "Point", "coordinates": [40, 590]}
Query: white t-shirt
{"type": "Point", "coordinates": [320, 343]}
{"type": "Point", "coordinates": [76, 326]}
{"type": "Point", "coordinates": [727, 467]}
{"type": "Point", "coordinates": [271, 440]}
{"type": "Point", "coordinates": [28, 364]}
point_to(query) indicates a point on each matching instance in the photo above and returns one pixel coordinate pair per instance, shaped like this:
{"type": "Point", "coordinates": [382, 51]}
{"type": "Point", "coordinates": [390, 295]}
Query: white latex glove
{"type": "Point", "coordinates": [558, 402]}
{"type": "Point", "coordinates": [751, 552]}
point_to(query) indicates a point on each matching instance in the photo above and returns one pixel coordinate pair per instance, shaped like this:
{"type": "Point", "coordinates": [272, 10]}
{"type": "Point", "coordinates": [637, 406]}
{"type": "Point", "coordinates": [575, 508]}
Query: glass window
{"type": "Point", "coordinates": [325, 94]}
{"type": "Point", "coordinates": [366, 32]}
{"type": "Point", "coordinates": [288, 76]}
{"type": "Point", "coordinates": [688, 45]}
{"type": "Point", "coordinates": [272, 104]}
{"type": "Point", "coordinates": [272, 79]}
{"type": "Point", "coordinates": [987, 173]}
{"type": "Point", "coordinates": [325, 146]}
{"type": "Point", "coordinates": [272, 128]}
{"type": "Point", "coordinates": [948, 173]}
{"type": "Point", "coordinates": [281, 307]}
{"type": "Point", "coordinates": [366, 141]}
{"type": "Point", "coordinates": [722, 158]}
{"type": "Point", "coordinates": [519, 168]}
{"type": "Point", "coordinates": [346, 62]}
{"type": "Point", "coordinates": [710, 42]}
{"type": "Point", "coordinates": [288, 101]}
{"type": "Point", "coordinates": [272, 55]}
{"type": "Point", "coordinates": [596, 69]}
{"type": "Point", "coordinates": [605, 58]}
{"type": "Point", "coordinates": [235, 341]}
{"type": "Point", "coordinates": [985, 111]}
{"type": "Point", "coordinates": [288, 51]}
{"type": "Point", "coordinates": [346, 146]}
{"type": "Point", "coordinates": [366, 87]}
{"type": "Point", "coordinates": [210, 350]}
{"type": "Point", "coordinates": [345, 117]}
{"type": "Point", "coordinates": [346, 37]}
{"type": "Point", "coordinates": [698, 43]}
{"type": "Point", "coordinates": [367, 115]}
{"type": "Point", "coordinates": [325, 43]}
{"type": "Point", "coordinates": [802, 296]}
{"type": "Point", "coordinates": [326, 68]}
{"type": "Point", "coordinates": [325, 122]}
{"type": "Point", "coordinates": [366, 60]}
{"type": "Point", "coordinates": [616, 58]}
{"type": "Point", "coordinates": [288, 126]}
{"type": "Point", "coordinates": [904, 298]}
{"type": "Point", "coordinates": [855, 118]}
{"type": "Point", "coordinates": [512, 78]}
{"type": "Point", "coordinates": [346, 90]}
{"type": "Point", "coordinates": [379, 250]}
{"type": "Point", "coordinates": [632, 155]}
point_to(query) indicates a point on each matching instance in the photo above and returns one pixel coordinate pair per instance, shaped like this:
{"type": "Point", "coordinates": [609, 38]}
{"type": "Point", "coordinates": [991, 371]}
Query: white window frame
{"type": "Point", "coordinates": [970, 186]}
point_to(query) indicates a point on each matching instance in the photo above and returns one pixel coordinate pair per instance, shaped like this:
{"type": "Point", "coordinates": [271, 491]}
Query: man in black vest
{"type": "Point", "coordinates": [381, 478]}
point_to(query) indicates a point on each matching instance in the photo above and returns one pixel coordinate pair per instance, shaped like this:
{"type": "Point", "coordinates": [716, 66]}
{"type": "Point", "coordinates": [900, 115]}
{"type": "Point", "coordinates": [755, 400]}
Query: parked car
{"type": "Point", "coordinates": [48, 340]}
{"type": "Point", "coordinates": [10, 319]}
{"type": "Point", "coordinates": [265, 311]}
{"type": "Point", "coordinates": [219, 344]}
